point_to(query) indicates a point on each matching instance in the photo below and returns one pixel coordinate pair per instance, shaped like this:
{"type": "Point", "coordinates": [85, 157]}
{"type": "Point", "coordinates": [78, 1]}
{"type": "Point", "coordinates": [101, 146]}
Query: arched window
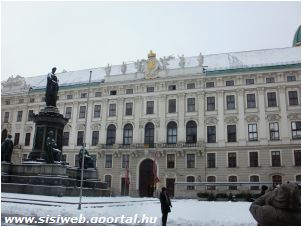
{"type": "Point", "coordinates": [111, 132]}
{"type": "Point", "coordinates": [128, 134]}
{"type": "Point", "coordinates": [211, 179]}
{"type": "Point", "coordinates": [191, 132]}
{"type": "Point", "coordinates": [190, 179]}
{"type": "Point", "coordinates": [149, 134]}
{"type": "Point", "coordinates": [108, 180]}
{"type": "Point", "coordinates": [232, 179]}
{"type": "Point", "coordinates": [254, 178]}
{"type": "Point", "coordinates": [172, 132]}
{"type": "Point", "coordinates": [277, 179]}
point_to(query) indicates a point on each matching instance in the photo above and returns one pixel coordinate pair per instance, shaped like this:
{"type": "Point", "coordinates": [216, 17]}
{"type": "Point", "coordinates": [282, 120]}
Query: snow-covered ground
{"type": "Point", "coordinates": [184, 212]}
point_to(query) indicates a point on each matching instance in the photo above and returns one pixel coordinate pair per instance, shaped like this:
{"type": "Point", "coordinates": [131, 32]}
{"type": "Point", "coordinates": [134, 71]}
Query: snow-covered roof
{"type": "Point", "coordinates": [214, 62]}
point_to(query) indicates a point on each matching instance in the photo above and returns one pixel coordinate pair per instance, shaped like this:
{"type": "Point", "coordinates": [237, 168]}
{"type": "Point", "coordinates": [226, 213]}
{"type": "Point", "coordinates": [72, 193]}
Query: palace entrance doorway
{"type": "Point", "coordinates": [146, 178]}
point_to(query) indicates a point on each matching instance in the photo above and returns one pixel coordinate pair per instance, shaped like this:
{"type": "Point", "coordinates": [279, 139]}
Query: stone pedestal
{"type": "Point", "coordinates": [47, 120]}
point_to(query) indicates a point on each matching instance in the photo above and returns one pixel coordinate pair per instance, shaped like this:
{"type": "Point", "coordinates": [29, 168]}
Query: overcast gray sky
{"type": "Point", "coordinates": [78, 35]}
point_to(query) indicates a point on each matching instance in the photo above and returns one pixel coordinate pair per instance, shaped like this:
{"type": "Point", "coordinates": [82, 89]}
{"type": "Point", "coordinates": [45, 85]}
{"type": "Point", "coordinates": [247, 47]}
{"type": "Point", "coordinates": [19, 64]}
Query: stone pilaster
{"type": "Point", "coordinates": [104, 107]}
{"type": "Point", "coordinates": [120, 114]}
{"type": "Point", "coordinates": [241, 123]}
{"type": "Point", "coordinates": [262, 126]}
{"type": "Point", "coordinates": [201, 127]}
{"type": "Point", "coordinates": [162, 118]}
{"type": "Point", "coordinates": [181, 137]}
{"type": "Point", "coordinates": [284, 126]}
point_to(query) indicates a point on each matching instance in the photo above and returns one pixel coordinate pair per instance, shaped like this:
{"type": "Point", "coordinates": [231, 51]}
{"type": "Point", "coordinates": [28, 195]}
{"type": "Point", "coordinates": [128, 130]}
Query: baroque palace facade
{"type": "Point", "coordinates": [232, 117]}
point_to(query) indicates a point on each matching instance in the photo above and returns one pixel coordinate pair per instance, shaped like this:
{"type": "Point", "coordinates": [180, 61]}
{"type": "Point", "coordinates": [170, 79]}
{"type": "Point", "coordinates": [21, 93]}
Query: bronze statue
{"type": "Point", "coordinates": [52, 153]}
{"type": "Point", "coordinates": [52, 88]}
{"type": "Point", "coordinates": [88, 159]}
{"type": "Point", "coordinates": [7, 149]}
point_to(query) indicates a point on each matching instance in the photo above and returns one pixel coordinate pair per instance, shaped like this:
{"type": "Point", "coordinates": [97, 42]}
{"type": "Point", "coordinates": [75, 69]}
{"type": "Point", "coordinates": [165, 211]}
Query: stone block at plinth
{"type": "Point", "coordinates": [49, 119]}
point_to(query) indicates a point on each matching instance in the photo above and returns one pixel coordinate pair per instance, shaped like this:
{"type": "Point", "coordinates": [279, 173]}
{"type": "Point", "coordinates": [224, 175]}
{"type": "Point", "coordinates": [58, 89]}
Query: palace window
{"type": "Point", "coordinates": [172, 106]}
{"type": "Point", "coordinates": [68, 96]}
{"type": "Point", "coordinates": [211, 179]}
{"type": "Point", "coordinates": [97, 94]}
{"type": "Point", "coordinates": [82, 113]}
{"type": "Point", "coordinates": [211, 134]}
{"type": "Point", "coordinates": [191, 104]}
{"type": "Point", "coordinates": [191, 132]}
{"type": "Point", "coordinates": [190, 179]}
{"type": "Point", "coordinates": [111, 133]}
{"type": "Point", "coordinates": [297, 157]}
{"type": "Point", "coordinates": [211, 160]}
{"type": "Point", "coordinates": [249, 81]}
{"type": "Point", "coordinates": [291, 78]}
{"type": "Point", "coordinates": [21, 101]}
{"type": "Point", "coordinates": [170, 161]}
{"type": "Point", "coordinates": [83, 95]}
{"type": "Point", "coordinates": [128, 134]}
{"type": "Point", "coordinates": [253, 157]}
{"type": "Point", "coordinates": [30, 115]}
{"type": "Point", "coordinates": [252, 130]}
{"type": "Point", "coordinates": [112, 109]}
{"type": "Point", "coordinates": [190, 161]}
{"type": "Point", "coordinates": [274, 130]}
{"type": "Point", "coordinates": [125, 161]}
{"type": "Point", "coordinates": [149, 134]}
{"type": "Point", "coordinates": [229, 83]}
{"type": "Point", "coordinates": [276, 158]}
{"type": "Point", "coordinates": [231, 130]}
{"type": "Point", "coordinates": [210, 103]}
{"type": "Point", "coordinates": [150, 107]}
{"type": "Point", "coordinates": [150, 89]}
{"type": "Point", "coordinates": [16, 140]}
{"type": "Point", "coordinates": [232, 160]}
{"type": "Point", "coordinates": [271, 99]}
{"type": "Point", "coordinates": [32, 100]}
{"type": "Point", "coordinates": [296, 130]}
{"type": "Point", "coordinates": [129, 91]}
{"type": "Point", "coordinates": [65, 138]}
{"type": "Point", "coordinates": [113, 92]}
{"type": "Point", "coordinates": [80, 138]}
{"type": "Point", "coordinates": [232, 179]}
{"type": "Point", "coordinates": [97, 111]}
{"type": "Point", "coordinates": [293, 98]}
{"type": "Point", "coordinates": [6, 117]}
{"type": "Point", "coordinates": [108, 161]}
{"type": "Point", "coordinates": [95, 138]}
{"type": "Point", "coordinates": [191, 86]}
{"type": "Point", "coordinates": [270, 80]}
{"type": "Point", "coordinates": [108, 180]}
{"type": "Point", "coordinates": [209, 84]}
{"type": "Point", "coordinates": [68, 112]}
{"type": "Point", "coordinates": [172, 133]}
{"type": "Point", "coordinates": [251, 100]}
{"type": "Point", "coordinates": [27, 139]}
{"type": "Point", "coordinates": [230, 102]}
{"type": "Point", "coordinates": [19, 116]}
{"type": "Point", "coordinates": [277, 180]}
{"type": "Point", "coordinates": [254, 178]}
{"type": "Point", "coordinates": [172, 87]}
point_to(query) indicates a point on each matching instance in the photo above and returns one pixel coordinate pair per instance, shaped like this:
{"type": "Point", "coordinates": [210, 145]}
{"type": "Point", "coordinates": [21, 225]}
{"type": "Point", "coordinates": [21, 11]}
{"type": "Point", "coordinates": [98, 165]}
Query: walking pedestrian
{"type": "Point", "coordinates": [165, 205]}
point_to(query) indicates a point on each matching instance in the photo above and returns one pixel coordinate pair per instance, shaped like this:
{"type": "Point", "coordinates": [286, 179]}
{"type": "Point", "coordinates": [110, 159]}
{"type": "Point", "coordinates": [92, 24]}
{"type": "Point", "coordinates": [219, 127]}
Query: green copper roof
{"type": "Point", "coordinates": [297, 37]}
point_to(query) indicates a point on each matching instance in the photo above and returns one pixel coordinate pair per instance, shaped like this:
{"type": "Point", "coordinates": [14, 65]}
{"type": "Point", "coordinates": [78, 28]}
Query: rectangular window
{"type": "Point", "coordinates": [291, 78]}
{"type": "Point", "coordinates": [209, 84]}
{"type": "Point", "coordinates": [68, 112]}
{"type": "Point", "coordinates": [274, 130]}
{"type": "Point", "coordinates": [97, 111]}
{"type": "Point", "coordinates": [170, 161]}
{"type": "Point", "coordinates": [251, 100]}
{"type": "Point", "coordinates": [129, 107]}
{"type": "Point", "coordinates": [27, 139]}
{"type": "Point", "coordinates": [293, 98]}
{"type": "Point", "coordinates": [232, 179]}
{"type": "Point", "coordinates": [249, 81]}
{"type": "Point", "coordinates": [112, 110]}
{"type": "Point", "coordinates": [108, 161]}
{"type": "Point", "coordinates": [80, 138]}
{"type": "Point", "coordinates": [82, 113]}
{"type": "Point", "coordinates": [172, 106]}
{"type": "Point", "coordinates": [229, 83]}
{"type": "Point", "coordinates": [190, 160]}
{"type": "Point", "coordinates": [125, 161]}
{"type": "Point", "coordinates": [65, 138]}
{"type": "Point", "coordinates": [68, 96]}
{"type": "Point", "coordinates": [297, 157]}
{"type": "Point", "coordinates": [271, 99]}
{"type": "Point", "coordinates": [7, 102]}
{"type": "Point", "coordinates": [253, 159]}
{"type": "Point", "coordinates": [129, 91]}
{"type": "Point", "coordinates": [232, 160]}
{"type": "Point", "coordinates": [296, 130]}
{"type": "Point", "coordinates": [16, 140]}
{"type": "Point", "coordinates": [210, 103]}
{"type": "Point", "coordinates": [276, 159]}
{"type": "Point", "coordinates": [113, 92]}
{"type": "Point", "coordinates": [211, 160]}
{"type": "Point", "coordinates": [230, 102]}
{"type": "Point", "coordinates": [95, 138]}
{"type": "Point", "coordinates": [19, 116]}
{"type": "Point", "coordinates": [97, 94]}
{"type": "Point", "coordinates": [21, 101]}
{"type": "Point", "coordinates": [172, 87]}
{"type": "Point", "coordinates": [191, 104]}
{"type": "Point", "coordinates": [32, 100]}
{"type": "Point", "coordinates": [270, 80]}
{"type": "Point", "coordinates": [191, 86]}
{"type": "Point", "coordinates": [83, 95]}
{"type": "Point", "coordinates": [30, 115]}
{"type": "Point", "coordinates": [231, 130]}
{"type": "Point", "coordinates": [211, 132]}
{"type": "Point", "coordinates": [254, 178]}
{"type": "Point", "coordinates": [150, 107]}
{"type": "Point", "coordinates": [150, 89]}
{"type": "Point", "coordinates": [253, 134]}
{"type": "Point", "coordinates": [6, 117]}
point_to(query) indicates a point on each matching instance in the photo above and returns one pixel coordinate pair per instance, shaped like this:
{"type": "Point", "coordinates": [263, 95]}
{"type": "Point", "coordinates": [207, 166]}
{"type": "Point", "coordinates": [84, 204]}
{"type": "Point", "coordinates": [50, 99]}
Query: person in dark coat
{"type": "Point", "coordinates": [7, 149]}
{"type": "Point", "coordinates": [165, 205]}
{"type": "Point", "coordinates": [280, 207]}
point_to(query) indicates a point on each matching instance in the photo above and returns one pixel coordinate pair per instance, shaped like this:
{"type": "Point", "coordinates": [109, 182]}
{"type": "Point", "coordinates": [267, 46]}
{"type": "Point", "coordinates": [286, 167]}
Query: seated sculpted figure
{"type": "Point", "coordinates": [88, 159]}
{"type": "Point", "coordinates": [52, 153]}
{"type": "Point", "coordinates": [7, 149]}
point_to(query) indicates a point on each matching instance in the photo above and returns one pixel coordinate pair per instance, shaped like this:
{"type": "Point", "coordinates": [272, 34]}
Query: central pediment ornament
{"type": "Point", "coordinates": [152, 66]}
{"type": "Point", "coordinates": [273, 117]}
{"type": "Point", "coordinates": [211, 120]}
{"type": "Point", "coordinates": [252, 118]}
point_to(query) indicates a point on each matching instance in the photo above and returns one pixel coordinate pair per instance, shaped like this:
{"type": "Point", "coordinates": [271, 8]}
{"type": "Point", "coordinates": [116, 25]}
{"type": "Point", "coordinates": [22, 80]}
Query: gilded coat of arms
{"type": "Point", "coordinates": [152, 66]}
